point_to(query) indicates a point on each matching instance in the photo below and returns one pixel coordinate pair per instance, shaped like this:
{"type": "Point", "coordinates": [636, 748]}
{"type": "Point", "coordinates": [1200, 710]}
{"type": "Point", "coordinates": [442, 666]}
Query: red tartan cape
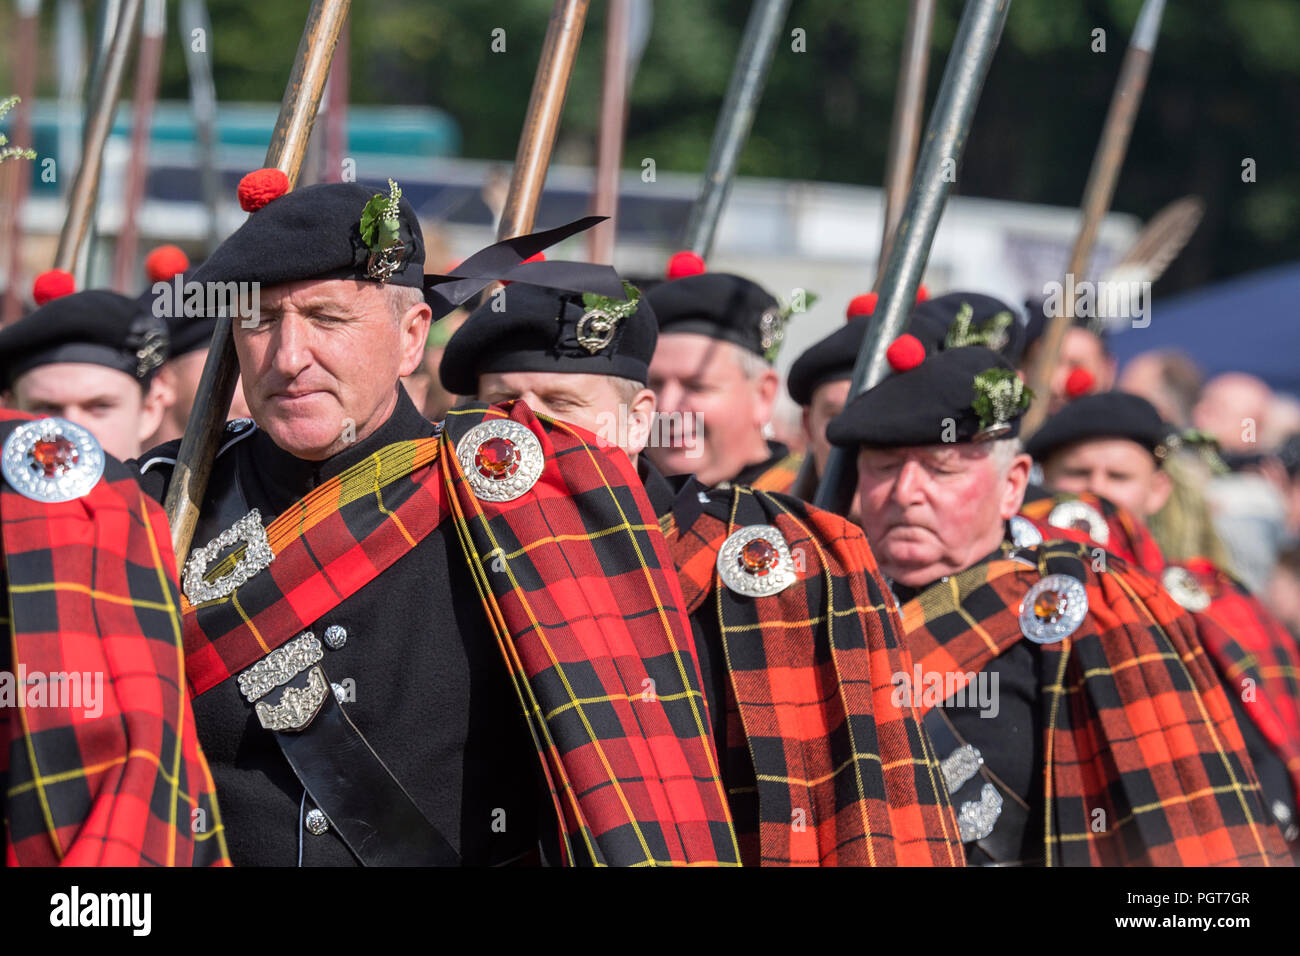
{"type": "Point", "coordinates": [1257, 655]}
{"type": "Point", "coordinates": [573, 581]}
{"type": "Point", "coordinates": [1137, 724]}
{"type": "Point", "coordinates": [840, 774]}
{"type": "Point", "coordinates": [115, 777]}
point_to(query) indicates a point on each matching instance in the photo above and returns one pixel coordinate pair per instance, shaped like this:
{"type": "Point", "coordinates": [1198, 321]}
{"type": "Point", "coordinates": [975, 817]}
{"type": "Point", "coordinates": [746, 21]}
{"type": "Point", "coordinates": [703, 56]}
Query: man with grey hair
{"type": "Point", "coordinates": [1025, 657]}
{"type": "Point", "coordinates": [712, 373]}
{"type": "Point", "coordinates": [365, 683]}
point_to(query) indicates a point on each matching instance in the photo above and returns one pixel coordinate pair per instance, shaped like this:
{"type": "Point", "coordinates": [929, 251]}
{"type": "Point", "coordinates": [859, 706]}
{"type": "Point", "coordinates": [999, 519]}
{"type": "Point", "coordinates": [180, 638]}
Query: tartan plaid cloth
{"type": "Point", "coordinates": [824, 768]}
{"type": "Point", "coordinates": [1128, 537]}
{"type": "Point", "coordinates": [578, 582]}
{"type": "Point", "coordinates": [582, 609]}
{"type": "Point", "coordinates": [1257, 656]}
{"type": "Point", "coordinates": [115, 777]}
{"type": "Point", "coordinates": [781, 476]}
{"type": "Point", "coordinates": [1246, 641]}
{"type": "Point", "coordinates": [1136, 722]}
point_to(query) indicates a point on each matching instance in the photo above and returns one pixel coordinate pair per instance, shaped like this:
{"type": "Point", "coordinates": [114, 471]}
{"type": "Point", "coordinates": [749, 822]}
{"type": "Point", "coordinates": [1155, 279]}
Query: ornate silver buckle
{"type": "Point", "coordinates": [298, 705]}
{"type": "Point", "coordinates": [257, 557]}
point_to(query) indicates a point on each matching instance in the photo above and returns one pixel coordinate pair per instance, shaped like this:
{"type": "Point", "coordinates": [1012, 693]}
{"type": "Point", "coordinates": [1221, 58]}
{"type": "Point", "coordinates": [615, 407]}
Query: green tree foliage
{"type": "Point", "coordinates": [1222, 89]}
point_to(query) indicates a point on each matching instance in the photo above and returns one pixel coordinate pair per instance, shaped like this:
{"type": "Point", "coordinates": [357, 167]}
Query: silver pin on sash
{"type": "Point", "coordinates": [256, 558]}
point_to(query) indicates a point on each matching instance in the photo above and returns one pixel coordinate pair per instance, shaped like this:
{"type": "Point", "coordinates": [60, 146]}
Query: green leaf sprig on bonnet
{"type": "Point", "coordinates": [380, 221]}
{"type": "Point", "coordinates": [1000, 395]}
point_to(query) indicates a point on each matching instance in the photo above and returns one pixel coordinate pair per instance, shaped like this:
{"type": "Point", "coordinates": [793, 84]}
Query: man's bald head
{"type": "Point", "coordinates": [1232, 408]}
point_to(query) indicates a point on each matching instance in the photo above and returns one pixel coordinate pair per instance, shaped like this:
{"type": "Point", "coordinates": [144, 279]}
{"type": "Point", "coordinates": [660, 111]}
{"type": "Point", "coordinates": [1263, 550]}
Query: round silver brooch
{"type": "Point", "coordinates": [1185, 589]}
{"type": "Point", "coordinates": [1053, 609]}
{"type": "Point", "coordinates": [501, 459]}
{"type": "Point", "coordinates": [52, 460]}
{"type": "Point", "coordinates": [1081, 516]}
{"type": "Point", "coordinates": [1024, 533]}
{"type": "Point", "coordinates": [755, 561]}
{"type": "Point", "coordinates": [335, 636]}
{"type": "Point", "coordinates": [317, 822]}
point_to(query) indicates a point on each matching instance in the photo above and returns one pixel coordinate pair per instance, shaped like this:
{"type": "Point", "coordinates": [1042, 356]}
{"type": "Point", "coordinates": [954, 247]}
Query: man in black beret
{"type": "Point", "coordinates": [1111, 444]}
{"type": "Point", "coordinates": [1115, 445]}
{"type": "Point", "coordinates": [367, 685]}
{"type": "Point", "coordinates": [90, 357]}
{"type": "Point", "coordinates": [819, 378]}
{"type": "Point", "coordinates": [1023, 657]}
{"type": "Point", "coordinates": [583, 359]}
{"type": "Point", "coordinates": [712, 373]}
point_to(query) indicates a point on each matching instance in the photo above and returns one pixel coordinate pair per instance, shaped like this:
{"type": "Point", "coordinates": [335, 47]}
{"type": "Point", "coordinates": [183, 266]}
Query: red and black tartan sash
{"type": "Point", "coordinates": [840, 774]}
{"type": "Point", "coordinates": [118, 780]}
{"type": "Point", "coordinates": [572, 579]}
{"type": "Point", "coordinates": [1257, 655]}
{"type": "Point", "coordinates": [1137, 724]}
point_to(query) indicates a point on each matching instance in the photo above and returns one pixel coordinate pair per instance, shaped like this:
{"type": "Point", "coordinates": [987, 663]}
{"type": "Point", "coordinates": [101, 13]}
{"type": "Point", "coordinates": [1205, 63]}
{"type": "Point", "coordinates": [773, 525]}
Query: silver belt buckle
{"type": "Point", "coordinates": [298, 706]}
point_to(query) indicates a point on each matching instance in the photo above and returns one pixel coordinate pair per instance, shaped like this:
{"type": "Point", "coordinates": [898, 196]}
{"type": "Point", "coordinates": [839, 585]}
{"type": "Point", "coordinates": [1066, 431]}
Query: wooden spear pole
{"type": "Point", "coordinates": [85, 188]}
{"type": "Point", "coordinates": [298, 110]}
{"type": "Point", "coordinates": [550, 85]}
{"type": "Point", "coordinates": [905, 130]}
{"type": "Point", "coordinates": [613, 122]}
{"type": "Point", "coordinates": [1097, 196]}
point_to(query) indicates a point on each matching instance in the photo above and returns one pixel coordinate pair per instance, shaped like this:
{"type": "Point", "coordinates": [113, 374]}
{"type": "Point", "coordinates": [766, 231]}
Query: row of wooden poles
{"type": "Point", "coordinates": [916, 186]}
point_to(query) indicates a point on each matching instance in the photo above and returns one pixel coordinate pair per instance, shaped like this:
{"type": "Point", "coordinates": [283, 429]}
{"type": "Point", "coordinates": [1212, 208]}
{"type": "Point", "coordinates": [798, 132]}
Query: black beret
{"type": "Point", "coordinates": [529, 328]}
{"type": "Point", "coordinates": [974, 318]}
{"type": "Point", "coordinates": [722, 306]}
{"type": "Point", "coordinates": [830, 360]}
{"type": "Point", "coordinates": [313, 233]}
{"type": "Point", "coordinates": [97, 326]}
{"type": "Point", "coordinates": [936, 402]}
{"type": "Point", "coordinates": [185, 333]}
{"type": "Point", "coordinates": [1103, 415]}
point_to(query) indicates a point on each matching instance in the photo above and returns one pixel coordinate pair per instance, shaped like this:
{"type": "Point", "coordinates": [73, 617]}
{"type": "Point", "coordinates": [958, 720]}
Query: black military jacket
{"type": "Point", "coordinates": [428, 690]}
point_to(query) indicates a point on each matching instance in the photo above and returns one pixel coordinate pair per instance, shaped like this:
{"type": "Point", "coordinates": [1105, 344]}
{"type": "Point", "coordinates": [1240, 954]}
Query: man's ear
{"type": "Point", "coordinates": [1162, 486]}
{"type": "Point", "coordinates": [766, 388]}
{"type": "Point", "coordinates": [640, 420]}
{"type": "Point", "coordinates": [157, 400]}
{"type": "Point", "coordinates": [415, 332]}
{"type": "Point", "coordinates": [1013, 490]}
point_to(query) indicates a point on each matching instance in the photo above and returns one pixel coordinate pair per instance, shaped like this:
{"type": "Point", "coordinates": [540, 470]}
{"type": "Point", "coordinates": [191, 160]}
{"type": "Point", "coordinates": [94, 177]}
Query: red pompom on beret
{"type": "Point", "coordinates": [684, 263]}
{"type": "Point", "coordinates": [261, 186]}
{"type": "Point", "coordinates": [905, 353]}
{"type": "Point", "coordinates": [52, 284]}
{"type": "Point", "coordinates": [165, 262]}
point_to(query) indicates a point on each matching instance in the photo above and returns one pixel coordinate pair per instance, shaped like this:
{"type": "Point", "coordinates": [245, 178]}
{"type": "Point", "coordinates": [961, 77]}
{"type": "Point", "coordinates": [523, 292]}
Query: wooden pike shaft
{"type": "Point", "coordinates": [905, 130]}
{"type": "Point", "coordinates": [609, 143]}
{"type": "Point", "coordinates": [537, 139]}
{"type": "Point", "coordinates": [85, 187]}
{"type": "Point", "coordinates": [203, 432]}
{"type": "Point", "coordinates": [1097, 196]}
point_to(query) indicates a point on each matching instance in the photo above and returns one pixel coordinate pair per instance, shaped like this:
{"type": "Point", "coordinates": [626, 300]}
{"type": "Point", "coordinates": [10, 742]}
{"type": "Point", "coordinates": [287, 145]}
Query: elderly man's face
{"type": "Point", "coordinates": [713, 414]}
{"type": "Point", "coordinates": [1117, 469]}
{"type": "Point", "coordinates": [322, 360]}
{"type": "Point", "coordinates": [934, 510]}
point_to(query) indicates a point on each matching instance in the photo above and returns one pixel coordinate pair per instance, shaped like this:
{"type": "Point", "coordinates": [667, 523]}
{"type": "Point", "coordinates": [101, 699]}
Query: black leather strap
{"type": "Point", "coordinates": [1002, 846]}
{"type": "Point", "coordinates": [364, 803]}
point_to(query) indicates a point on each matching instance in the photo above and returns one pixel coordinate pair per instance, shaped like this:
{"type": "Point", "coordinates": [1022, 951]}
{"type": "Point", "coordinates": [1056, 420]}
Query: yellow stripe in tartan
{"type": "Point", "coordinates": [518, 552]}
{"type": "Point", "coordinates": [1238, 787]}
{"type": "Point", "coordinates": [1159, 805]}
{"type": "Point", "coordinates": [92, 593]}
{"type": "Point", "coordinates": [173, 615]}
{"type": "Point", "coordinates": [814, 781]}
{"type": "Point", "coordinates": [394, 461]}
{"type": "Point", "coordinates": [605, 698]}
{"type": "Point", "coordinates": [702, 731]}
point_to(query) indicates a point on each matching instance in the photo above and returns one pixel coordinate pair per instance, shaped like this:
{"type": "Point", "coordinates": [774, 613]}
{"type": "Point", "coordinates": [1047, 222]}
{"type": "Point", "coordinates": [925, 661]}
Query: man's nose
{"type": "Point", "coordinates": [292, 346]}
{"type": "Point", "coordinates": [909, 483]}
{"type": "Point", "coordinates": [671, 395]}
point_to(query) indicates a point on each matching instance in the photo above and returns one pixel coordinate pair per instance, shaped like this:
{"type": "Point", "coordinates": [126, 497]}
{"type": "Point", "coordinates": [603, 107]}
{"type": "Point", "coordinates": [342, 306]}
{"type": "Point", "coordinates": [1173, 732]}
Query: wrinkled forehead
{"type": "Point", "coordinates": [954, 455]}
{"type": "Point", "coordinates": [309, 294]}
